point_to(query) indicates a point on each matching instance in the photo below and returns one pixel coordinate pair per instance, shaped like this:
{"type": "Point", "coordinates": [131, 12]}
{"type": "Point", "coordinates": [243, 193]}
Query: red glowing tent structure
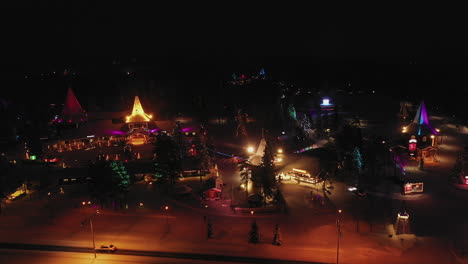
{"type": "Point", "coordinates": [72, 110]}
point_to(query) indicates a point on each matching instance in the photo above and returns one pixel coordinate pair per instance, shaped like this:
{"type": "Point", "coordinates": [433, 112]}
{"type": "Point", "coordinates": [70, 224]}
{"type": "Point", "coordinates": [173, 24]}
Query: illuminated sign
{"type": "Point", "coordinates": [403, 216]}
{"type": "Point", "coordinates": [301, 171]}
{"type": "Point", "coordinates": [410, 188]}
{"type": "Point", "coordinates": [412, 145]}
{"type": "Point", "coordinates": [326, 102]}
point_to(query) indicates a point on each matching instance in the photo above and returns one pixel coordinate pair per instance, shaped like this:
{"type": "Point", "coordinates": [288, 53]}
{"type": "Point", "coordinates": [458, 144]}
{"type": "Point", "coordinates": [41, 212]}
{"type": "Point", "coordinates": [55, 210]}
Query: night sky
{"type": "Point", "coordinates": [395, 49]}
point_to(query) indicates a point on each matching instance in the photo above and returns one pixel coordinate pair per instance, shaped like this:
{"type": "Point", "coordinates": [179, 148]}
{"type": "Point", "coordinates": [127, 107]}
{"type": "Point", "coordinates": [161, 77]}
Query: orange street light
{"type": "Point", "coordinates": [250, 149]}
{"type": "Point", "coordinates": [338, 226]}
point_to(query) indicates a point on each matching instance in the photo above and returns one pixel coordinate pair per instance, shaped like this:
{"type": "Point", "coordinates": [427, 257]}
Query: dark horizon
{"type": "Point", "coordinates": [400, 54]}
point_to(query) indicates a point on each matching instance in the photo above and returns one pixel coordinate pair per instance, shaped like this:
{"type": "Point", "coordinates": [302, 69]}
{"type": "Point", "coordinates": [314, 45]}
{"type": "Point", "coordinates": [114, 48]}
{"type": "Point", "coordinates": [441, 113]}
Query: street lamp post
{"type": "Point", "coordinates": [338, 225]}
{"type": "Point", "coordinates": [166, 208]}
{"type": "Point", "coordinates": [92, 233]}
{"type": "Point", "coordinates": [92, 229]}
{"type": "Point", "coordinates": [232, 192]}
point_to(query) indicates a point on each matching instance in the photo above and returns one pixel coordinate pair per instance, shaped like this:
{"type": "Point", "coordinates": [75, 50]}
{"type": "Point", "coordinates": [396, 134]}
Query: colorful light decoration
{"type": "Point", "coordinates": [304, 149]}
{"type": "Point", "coordinates": [421, 118]}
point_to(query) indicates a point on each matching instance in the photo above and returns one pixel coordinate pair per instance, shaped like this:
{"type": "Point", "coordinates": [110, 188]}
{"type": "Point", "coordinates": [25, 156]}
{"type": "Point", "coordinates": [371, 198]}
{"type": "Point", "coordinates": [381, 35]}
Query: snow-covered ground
{"type": "Point", "coordinates": [308, 229]}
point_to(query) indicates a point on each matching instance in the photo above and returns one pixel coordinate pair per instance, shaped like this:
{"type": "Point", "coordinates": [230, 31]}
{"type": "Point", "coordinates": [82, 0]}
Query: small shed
{"type": "Point", "coordinates": [212, 194]}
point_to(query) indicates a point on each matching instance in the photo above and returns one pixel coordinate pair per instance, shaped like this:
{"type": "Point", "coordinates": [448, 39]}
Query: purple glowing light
{"type": "Point", "coordinates": [187, 129]}
{"type": "Point", "coordinates": [154, 130]}
{"type": "Point", "coordinates": [422, 118]}
{"type": "Point", "coordinates": [116, 132]}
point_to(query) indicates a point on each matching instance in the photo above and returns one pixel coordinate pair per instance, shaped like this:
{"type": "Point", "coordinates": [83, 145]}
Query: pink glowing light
{"type": "Point", "coordinates": [116, 132]}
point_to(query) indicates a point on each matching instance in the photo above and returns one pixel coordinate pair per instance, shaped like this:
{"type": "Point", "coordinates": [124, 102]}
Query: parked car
{"type": "Point", "coordinates": [106, 249]}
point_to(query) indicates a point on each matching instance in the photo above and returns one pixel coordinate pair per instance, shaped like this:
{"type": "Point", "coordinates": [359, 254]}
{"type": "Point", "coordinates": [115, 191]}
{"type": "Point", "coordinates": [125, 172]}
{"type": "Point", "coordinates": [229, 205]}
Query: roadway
{"type": "Point", "coordinates": [21, 253]}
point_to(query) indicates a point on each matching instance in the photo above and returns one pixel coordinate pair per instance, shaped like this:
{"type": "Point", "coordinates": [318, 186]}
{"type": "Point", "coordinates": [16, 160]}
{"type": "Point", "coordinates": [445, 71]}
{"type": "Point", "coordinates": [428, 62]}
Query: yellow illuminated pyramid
{"type": "Point", "coordinates": [138, 115]}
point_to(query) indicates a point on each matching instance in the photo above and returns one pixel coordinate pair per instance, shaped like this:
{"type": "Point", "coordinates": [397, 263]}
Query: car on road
{"type": "Point", "coordinates": [106, 249]}
{"type": "Point", "coordinates": [359, 191]}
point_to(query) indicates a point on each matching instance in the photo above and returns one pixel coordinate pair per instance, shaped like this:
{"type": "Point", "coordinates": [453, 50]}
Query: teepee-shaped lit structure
{"type": "Point", "coordinates": [138, 115]}
{"type": "Point", "coordinates": [72, 110]}
{"type": "Point", "coordinates": [420, 125]}
{"type": "Point", "coordinates": [262, 72]}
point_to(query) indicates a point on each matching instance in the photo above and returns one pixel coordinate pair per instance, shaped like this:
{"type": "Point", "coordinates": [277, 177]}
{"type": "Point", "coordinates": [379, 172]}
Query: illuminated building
{"type": "Point", "coordinates": [137, 124]}
{"type": "Point", "coordinates": [138, 118]}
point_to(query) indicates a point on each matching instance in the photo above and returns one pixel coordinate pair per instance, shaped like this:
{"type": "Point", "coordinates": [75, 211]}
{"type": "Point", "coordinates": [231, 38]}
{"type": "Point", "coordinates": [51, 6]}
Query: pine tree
{"type": "Point", "coordinates": [120, 181]}
{"type": "Point", "coordinates": [336, 118]}
{"type": "Point", "coordinates": [306, 124]}
{"type": "Point", "coordinates": [268, 171]}
{"type": "Point", "coordinates": [253, 235]}
{"type": "Point", "coordinates": [357, 158]}
{"type": "Point", "coordinates": [241, 119]}
{"type": "Point", "coordinates": [244, 173]}
{"type": "Point", "coordinates": [457, 169]}
{"type": "Point", "coordinates": [209, 229]}
{"type": "Point", "coordinates": [421, 162]}
{"type": "Point", "coordinates": [168, 158]}
{"type": "Point", "coordinates": [292, 112]}
{"type": "Point", "coordinates": [277, 236]}
{"type": "Point", "coordinates": [120, 177]}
